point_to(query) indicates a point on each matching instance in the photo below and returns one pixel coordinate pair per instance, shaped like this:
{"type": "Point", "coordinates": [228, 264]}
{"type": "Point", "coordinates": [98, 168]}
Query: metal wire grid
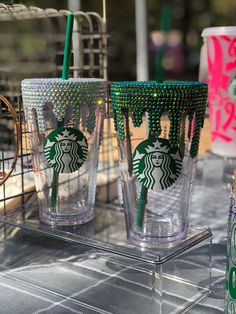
{"type": "Point", "coordinates": [16, 190]}
{"type": "Point", "coordinates": [33, 43]}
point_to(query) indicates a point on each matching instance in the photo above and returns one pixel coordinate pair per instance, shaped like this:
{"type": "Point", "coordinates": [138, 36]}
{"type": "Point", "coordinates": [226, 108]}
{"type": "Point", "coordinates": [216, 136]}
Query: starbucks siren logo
{"type": "Point", "coordinates": [157, 165]}
{"type": "Point", "coordinates": [66, 149]}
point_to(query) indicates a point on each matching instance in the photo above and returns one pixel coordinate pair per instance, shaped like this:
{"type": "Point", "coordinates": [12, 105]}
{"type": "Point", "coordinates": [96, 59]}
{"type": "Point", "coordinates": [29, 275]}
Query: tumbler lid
{"type": "Point", "coordinates": [219, 30]}
{"type": "Point", "coordinates": [155, 98]}
{"type": "Point", "coordinates": [66, 98]}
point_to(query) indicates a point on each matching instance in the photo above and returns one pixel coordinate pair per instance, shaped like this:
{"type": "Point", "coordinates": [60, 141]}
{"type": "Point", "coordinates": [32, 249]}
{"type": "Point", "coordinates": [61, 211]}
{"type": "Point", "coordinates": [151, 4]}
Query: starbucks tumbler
{"type": "Point", "coordinates": [65, 119]}
{"type": "Point", "coordinates": [230, 289]}
{"type": "Point", "coordinates": [158, 129]}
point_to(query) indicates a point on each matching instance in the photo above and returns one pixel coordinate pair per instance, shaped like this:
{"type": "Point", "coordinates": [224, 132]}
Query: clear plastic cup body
{"type": "Point", "coordinates": [157, 169]}
{"type": "Point", "coordinates": [217, 68]}
{"type": "Point", "coordinates": [166, 216]}
{"type": "Point", "coordinates": [65, 159]}
{"type": "Point", "coordinates": [230, 290]}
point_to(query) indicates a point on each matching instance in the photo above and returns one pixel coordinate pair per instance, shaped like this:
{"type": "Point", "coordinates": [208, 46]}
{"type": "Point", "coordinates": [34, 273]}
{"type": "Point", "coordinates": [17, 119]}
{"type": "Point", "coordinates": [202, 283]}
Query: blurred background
{"type": "Point", "coordinates": [182, 21]}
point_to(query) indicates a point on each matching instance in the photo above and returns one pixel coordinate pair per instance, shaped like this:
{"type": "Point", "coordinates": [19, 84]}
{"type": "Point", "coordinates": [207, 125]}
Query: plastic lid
{"type": "Point", "coordinates": [221, 30]}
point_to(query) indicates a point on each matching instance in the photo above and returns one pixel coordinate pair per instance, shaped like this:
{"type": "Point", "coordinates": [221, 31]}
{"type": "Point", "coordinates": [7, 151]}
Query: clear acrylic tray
{"type": "Point", "coordinates": [95, 270]}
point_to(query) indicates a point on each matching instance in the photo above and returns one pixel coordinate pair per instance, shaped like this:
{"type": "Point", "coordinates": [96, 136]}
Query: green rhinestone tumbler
{"type": "Point", "coordinates": [158, 130]}
{"type": "Point", "coordinates": [65, 121]}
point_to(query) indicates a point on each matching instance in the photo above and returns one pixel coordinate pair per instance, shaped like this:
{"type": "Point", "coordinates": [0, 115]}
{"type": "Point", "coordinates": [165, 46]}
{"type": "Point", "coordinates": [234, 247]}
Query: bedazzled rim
{"type": "Point", "coordinates": [72, 95]}
{"type": "Point", "coordinates": [154, 98]}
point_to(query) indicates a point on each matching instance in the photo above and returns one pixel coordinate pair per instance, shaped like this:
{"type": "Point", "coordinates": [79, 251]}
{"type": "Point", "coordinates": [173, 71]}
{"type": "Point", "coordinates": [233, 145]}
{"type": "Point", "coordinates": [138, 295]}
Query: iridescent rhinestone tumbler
{"type": "Point", "coordinates": [158, 129]}
{"type": "Point", "coordinates": [65, 120]}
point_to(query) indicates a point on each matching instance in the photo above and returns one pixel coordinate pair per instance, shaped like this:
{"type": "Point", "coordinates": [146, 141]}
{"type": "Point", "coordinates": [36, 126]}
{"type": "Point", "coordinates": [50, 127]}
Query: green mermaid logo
{"type": "Point", "coordinates": [66, 149]}
{"type": "Point", "coordinates": [156, 164]}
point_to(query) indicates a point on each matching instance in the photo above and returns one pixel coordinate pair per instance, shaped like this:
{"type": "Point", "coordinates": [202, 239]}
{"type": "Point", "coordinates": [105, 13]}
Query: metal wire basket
{"type": "Point", "coordinates": [32, 46]}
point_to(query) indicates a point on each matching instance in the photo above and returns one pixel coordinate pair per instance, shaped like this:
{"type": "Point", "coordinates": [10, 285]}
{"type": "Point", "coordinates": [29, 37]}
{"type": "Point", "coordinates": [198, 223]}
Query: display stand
{"type": "Point", "coordinates": [168, 279]}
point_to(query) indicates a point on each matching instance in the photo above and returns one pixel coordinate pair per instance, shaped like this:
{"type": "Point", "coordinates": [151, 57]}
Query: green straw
{"type": "Point", "coordinates": [65, 75]}
{"type": "Point", "coordinates": [67, 48]}
{"type": "Point", "coordinates": [165, 24]}
{"type": "Point", "coordinates": [142, 201]}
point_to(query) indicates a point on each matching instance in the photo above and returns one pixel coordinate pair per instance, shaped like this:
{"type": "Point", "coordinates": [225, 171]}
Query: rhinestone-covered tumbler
{"type": "Point", "coordinates": [65, 120]}
{"type": "Point", "coordinates": [158, 129]}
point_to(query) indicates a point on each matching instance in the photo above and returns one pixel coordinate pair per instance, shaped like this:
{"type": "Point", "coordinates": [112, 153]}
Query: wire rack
{"type": "Point", "coordinates": [32, 46]}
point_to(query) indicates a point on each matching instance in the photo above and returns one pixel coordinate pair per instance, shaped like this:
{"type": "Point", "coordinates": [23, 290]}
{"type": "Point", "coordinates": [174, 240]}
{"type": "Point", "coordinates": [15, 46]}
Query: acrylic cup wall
{"type": "Point", "coordinates": [217, 68]}
{"type": "Point", "coordinates": [65, 120]}
{"type": "Point", "coordinates": [230, 291]}
{"type": "Point", "coordinates": [157, 160]}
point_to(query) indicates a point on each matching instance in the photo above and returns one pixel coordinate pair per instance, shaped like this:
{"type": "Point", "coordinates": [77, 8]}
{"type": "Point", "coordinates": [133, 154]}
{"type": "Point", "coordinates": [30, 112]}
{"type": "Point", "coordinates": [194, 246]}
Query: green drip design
{"type": "Point", "coordinates": [173, 97]}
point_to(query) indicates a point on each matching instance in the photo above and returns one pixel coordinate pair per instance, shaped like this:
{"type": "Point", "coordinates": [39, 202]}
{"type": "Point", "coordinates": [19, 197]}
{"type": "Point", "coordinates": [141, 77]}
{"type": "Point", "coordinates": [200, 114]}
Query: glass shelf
{"type": "Point", "coordinates": [107, 233]}
{"type": "Point", "coordinates": [97, 260]}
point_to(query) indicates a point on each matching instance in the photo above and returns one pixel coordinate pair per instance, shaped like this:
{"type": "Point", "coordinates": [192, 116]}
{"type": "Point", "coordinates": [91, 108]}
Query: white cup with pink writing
{"type": "Point", "coordinates": [220, 51]}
